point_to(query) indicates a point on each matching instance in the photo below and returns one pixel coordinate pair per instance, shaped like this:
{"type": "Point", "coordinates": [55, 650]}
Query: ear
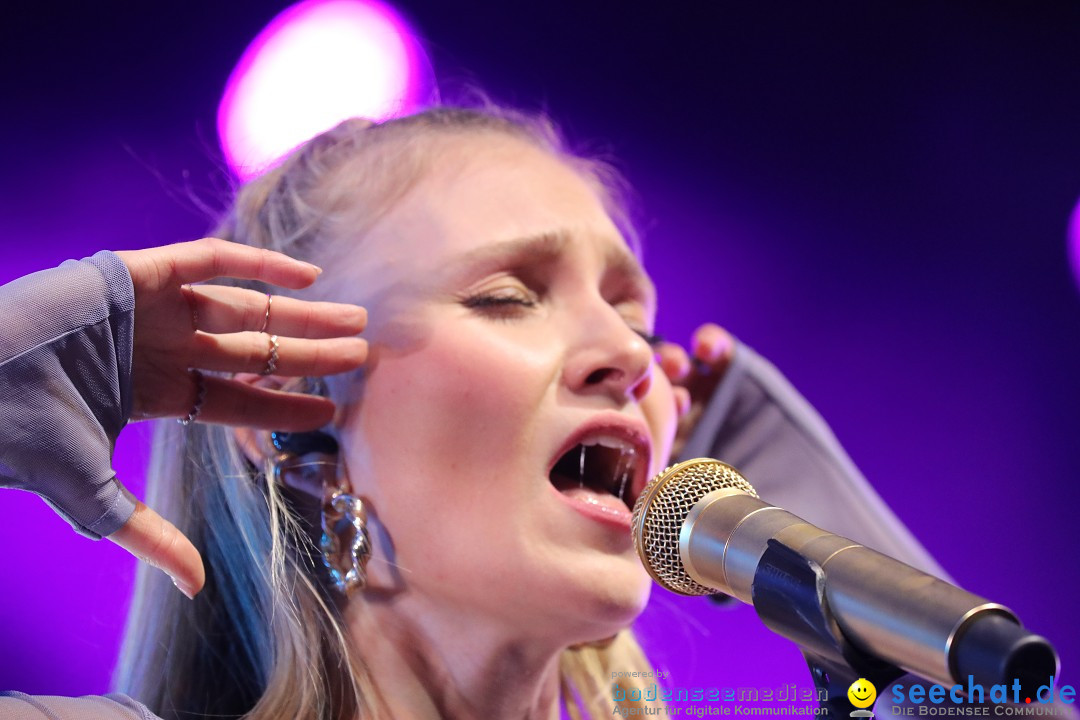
{"type": "Point", "coordinates": [309, 472]}
{"type": "Point", "coordinates": [254, 443]}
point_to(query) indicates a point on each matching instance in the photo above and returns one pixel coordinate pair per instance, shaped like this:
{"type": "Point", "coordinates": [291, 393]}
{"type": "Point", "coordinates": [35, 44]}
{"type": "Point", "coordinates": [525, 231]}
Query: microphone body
{"type": "Point", "coordinates": [883, 607]}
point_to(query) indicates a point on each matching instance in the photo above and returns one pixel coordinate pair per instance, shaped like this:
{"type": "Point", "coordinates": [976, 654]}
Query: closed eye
{"type": "Point", "coordinates": [483, 301]}
{"type": "Point", "coordinates": [503, 303]}
{"type": "Point", "coordinates": [654, 340]}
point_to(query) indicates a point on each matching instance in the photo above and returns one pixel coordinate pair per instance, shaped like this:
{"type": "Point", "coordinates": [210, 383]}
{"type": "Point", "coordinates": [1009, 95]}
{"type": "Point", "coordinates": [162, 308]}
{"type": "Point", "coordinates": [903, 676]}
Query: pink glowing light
{"type": "Point", "coordinates": [1074, 242]}
{"type": "Point", "coordinates": [316, 64]}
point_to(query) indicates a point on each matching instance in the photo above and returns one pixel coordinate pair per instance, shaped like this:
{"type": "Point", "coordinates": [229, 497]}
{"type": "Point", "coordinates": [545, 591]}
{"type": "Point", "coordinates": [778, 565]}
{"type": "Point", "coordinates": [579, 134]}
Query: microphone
{"type": "Point", "coordinates": [700, 528]}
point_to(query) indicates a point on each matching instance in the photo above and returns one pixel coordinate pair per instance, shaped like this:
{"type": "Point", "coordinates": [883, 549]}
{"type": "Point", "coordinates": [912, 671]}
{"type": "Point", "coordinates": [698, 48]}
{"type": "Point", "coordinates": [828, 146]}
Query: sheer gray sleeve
{"type": "Point", "coordinates": [19, 706]}
{"type": "Point", "coordinates": [65, 388]}
{"type": "Point", "coordinates": [759, 424]}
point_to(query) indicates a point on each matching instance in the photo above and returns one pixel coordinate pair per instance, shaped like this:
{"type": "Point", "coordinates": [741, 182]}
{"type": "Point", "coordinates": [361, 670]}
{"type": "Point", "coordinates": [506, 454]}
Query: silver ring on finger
{"type": "Point", "coordinates": [189, 295]}
{"type": "Point", "coordinates": [272, 361]}
{"type": "Point", "coordinates": [266, 316]}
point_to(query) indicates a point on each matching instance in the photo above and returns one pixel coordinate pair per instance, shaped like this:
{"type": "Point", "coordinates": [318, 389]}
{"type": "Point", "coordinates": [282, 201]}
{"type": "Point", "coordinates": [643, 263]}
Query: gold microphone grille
{"type": "Point", "coordinates": [662, 508]}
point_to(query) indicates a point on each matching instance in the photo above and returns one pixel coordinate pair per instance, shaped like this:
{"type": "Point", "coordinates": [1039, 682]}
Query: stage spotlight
{"type": "Point", "coordinates": [315, 64]}
{"type": "Point", "coordinates": [1074, 242]}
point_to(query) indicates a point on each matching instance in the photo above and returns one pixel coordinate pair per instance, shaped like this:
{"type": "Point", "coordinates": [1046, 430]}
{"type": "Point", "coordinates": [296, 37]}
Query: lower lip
{"type": "Point", "coordinates": [607, 514]}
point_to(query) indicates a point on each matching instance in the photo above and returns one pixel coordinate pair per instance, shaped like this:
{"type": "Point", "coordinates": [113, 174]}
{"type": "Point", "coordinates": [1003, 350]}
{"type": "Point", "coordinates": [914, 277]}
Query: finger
{"type": "Point", "coordinates": [223, 309]}
{"type": "Point", "coordinates": [156, 541]}
{"type": "Point", "coordinates": [253, 352]}
{"type": "Point", "coordinates": [711, 344]}
{"type": "Point", "coordinates": [682, 400]}
{"type": "Point", "coordinates": [231, 402]}
{"type": "Point", "coordinates": [208, 258]}
{"type": "Point", "coordinates": [673, 361]}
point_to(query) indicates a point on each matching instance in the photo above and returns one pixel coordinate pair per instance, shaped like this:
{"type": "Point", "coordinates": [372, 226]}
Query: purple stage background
{"type": "Point", "coordinates": [873, 195]}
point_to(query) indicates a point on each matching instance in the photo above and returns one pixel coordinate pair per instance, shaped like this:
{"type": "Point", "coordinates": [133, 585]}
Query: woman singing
{"type": "Point", "coordinates": [430, 522]}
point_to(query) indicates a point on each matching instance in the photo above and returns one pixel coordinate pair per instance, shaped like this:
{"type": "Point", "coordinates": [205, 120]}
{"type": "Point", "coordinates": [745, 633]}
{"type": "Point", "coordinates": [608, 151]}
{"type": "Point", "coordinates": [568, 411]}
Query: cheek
{"type": "Point", "coordinates": [453, 410]}
{"type": "Point", "coordinates": [439, 444]}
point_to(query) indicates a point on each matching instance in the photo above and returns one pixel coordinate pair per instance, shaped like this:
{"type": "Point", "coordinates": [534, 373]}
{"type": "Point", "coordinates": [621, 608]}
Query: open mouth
{"type": "Point", "coordinates": [600, 465]}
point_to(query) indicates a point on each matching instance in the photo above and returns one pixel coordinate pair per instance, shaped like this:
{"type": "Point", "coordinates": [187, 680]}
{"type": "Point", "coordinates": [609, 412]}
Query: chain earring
{"type": "Point", "coordinates": [344, 542]}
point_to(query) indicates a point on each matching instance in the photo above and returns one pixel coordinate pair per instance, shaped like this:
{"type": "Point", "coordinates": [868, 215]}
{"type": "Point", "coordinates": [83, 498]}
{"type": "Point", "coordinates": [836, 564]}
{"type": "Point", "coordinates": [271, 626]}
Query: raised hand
{"type": "Point", "coordinates": [182, 328]}
{"type": "Point", "coordinates": [314, 338]}
{"type": "Point", "coordinates": [695, 375]}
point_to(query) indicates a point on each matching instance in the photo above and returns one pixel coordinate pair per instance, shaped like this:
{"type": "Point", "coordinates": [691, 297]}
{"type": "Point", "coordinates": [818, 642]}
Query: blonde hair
{"type": "Point", "coordinates": [265, 637]}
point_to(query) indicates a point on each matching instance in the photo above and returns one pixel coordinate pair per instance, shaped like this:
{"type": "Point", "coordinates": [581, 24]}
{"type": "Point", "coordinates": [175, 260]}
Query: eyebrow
{"type": "Point", "coordinates": [547, 247]}
{"type": "Point", "coordinates": [529, 250]}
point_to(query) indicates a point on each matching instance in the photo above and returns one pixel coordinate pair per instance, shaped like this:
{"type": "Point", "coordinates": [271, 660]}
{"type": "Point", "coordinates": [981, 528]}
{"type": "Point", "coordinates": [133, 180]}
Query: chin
{"type": "Point", "coordinates": [610, 600]}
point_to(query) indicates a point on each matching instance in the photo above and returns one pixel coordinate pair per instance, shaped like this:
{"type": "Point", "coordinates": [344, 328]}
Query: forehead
{"type": "Point", "coordinates": [482, 189]}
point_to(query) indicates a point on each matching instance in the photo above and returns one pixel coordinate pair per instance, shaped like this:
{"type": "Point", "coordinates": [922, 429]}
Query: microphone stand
{"type": "Point", "coordinates": [789, 596]}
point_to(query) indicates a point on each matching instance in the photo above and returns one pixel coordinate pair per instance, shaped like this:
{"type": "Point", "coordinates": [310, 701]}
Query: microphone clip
{"type": "Point", "coordinates": [789, 596]}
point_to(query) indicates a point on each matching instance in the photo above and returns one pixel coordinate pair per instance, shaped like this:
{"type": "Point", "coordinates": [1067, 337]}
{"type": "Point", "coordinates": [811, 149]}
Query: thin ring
{"type": "Point", "coordinates": [189, 295]}
{"type": "Point", "coordinates": [200, 397]}
{"type": "Point", "coordinates": [266, 318]}
{"type": "Point", "coordinates": [271, 363]}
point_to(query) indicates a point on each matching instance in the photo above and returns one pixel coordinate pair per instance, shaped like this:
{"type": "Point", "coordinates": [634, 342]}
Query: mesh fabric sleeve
{"type": "Point", "coordinates": [65, 388]}
{"type": "Point", "coordinates": [19, 706]}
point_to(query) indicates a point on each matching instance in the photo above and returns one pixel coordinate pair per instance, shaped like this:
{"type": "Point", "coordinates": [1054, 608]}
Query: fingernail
{"type": "Point", "coordinates": [183, 588]}
{"type": "Point", "coordinates": [318, 270]}
{"type": "Point", "coordinates": [684, 404]}
{"type": "Point", "coordinates": [700, 351]}
{"type": "Point", "coordinates": [724, 346]}
{"type": "Point", "coordinates": [685, 367]}
{"type": "Point", "coordinates": [712, 351]}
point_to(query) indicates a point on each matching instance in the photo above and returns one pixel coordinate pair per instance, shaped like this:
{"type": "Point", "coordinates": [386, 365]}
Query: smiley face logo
{"type": "Point", "coordinates": [862, 693]}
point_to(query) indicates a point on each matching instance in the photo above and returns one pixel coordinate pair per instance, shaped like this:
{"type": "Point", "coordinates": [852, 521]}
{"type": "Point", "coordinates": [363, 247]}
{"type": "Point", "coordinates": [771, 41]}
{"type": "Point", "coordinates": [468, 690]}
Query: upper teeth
{"type": "Point", "coordinates": [609, 441]}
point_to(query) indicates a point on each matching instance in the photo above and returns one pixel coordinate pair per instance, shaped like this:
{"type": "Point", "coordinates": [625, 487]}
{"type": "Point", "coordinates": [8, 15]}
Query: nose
{"type": "Point", "coordinates": [608, 358]}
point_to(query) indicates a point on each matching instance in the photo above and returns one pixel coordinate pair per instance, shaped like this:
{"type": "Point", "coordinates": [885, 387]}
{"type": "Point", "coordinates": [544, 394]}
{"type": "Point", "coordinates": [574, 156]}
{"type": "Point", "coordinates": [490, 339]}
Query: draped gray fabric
{"type": "Point", "coordinates": [759, 424]}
